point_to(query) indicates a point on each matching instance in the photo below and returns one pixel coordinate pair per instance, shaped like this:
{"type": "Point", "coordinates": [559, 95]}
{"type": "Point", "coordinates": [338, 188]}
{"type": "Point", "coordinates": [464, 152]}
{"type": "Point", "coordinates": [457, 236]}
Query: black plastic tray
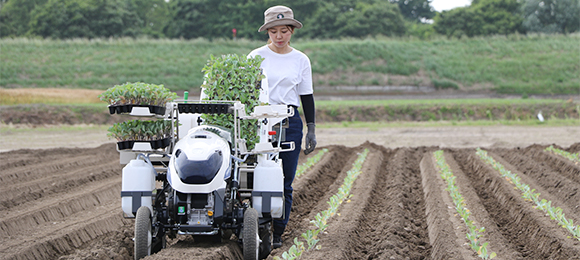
{"type": "Point", "coordinates": [125, 109]}
{"type": "Point", "coordinates": [205, 108]}
{"type": "Point", "coordinates": [155, 144]}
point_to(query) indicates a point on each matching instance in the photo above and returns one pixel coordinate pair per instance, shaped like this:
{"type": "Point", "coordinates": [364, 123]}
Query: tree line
{"type": "Point", "coordinates": [330, 19]}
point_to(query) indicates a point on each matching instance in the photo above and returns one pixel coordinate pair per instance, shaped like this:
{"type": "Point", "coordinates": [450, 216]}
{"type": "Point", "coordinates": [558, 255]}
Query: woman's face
{"type": "Point", "coordinates": [280, 35]}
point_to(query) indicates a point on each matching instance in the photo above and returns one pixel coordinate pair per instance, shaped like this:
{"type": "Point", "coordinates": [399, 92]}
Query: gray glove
{"type": "Point", "coordinates": [310, 139]}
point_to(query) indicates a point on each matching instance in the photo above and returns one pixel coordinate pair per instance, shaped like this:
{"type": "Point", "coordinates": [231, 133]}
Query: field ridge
{"type": "Point", "coordinates": [397, 209]}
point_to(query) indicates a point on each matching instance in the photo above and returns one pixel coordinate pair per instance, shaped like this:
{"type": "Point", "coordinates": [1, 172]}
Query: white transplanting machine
{"type": "Point", "coordinates": [205, 182]}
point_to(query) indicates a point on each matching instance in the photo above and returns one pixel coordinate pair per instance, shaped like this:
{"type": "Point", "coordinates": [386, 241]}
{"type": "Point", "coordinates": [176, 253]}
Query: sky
{"type": "Point", "coordinates": [442, 5]}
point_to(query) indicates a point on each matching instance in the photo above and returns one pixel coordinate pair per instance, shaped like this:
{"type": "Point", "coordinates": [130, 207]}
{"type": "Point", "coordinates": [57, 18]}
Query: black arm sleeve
{"type": "Point", "coordinates": [308, 108]}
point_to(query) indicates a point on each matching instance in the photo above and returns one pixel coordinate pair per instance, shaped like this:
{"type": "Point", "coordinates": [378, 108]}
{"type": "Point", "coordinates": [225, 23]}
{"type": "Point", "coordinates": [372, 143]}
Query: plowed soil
{"type": "Point", "coordinates": [65, 204]}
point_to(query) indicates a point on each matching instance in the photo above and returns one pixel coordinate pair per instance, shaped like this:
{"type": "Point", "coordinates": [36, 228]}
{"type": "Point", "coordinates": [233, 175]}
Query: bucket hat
{"type": "Point", "coordinates": [279, 15]}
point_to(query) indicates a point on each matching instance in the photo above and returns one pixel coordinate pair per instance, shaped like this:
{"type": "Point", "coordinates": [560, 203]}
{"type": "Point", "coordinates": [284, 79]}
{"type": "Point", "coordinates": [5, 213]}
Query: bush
{"type": "Point", "coordinates": [444, 84]}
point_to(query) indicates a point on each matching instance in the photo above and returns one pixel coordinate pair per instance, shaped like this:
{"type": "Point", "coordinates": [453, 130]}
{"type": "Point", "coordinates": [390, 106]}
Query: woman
{"type": "Point", "coordinates": [289, 77]}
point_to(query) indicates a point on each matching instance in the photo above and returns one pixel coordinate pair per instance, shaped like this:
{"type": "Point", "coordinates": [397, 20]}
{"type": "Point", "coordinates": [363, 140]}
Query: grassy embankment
{"type": "Point", "coordinates": [74, 72]}
{"type": "Point", "coordinates": [515, 64]}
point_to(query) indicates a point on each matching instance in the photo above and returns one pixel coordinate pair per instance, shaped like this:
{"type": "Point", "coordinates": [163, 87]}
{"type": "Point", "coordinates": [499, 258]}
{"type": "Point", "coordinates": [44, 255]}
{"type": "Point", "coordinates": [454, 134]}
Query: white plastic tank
{"type": "Point", "coordinates": [269, 178]}
{"type": "Point", "coordinates": [186, 122]}
{"type": "Point", "coordinates": [138, 183]}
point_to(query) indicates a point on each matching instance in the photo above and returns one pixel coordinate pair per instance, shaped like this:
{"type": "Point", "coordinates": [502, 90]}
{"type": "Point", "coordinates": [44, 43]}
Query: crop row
{"type": "Point", "coordinates": [473, 232]}
{"type": "Point", "coordinates": [528, 193]}
{"type": "Point", "coordinates": [321, 219]}
{"type": "Point", "coordinates": [310, 162]}
{"type": "Point", "coordinates": [574, 157]}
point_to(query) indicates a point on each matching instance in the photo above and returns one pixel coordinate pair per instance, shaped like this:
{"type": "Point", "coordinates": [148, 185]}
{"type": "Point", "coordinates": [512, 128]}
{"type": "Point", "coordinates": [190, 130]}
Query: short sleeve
{"type": "Point", "coordinates": [305, 86]}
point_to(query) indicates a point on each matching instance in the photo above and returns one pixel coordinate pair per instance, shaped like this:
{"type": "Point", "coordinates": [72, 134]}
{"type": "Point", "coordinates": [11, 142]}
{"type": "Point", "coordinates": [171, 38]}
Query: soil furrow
{"type": "Point", "coordinates": [314, 187]}
{"type": "Point", "coordinates": [446, 230]}
{"type": "Point", "coordinates": [557, 163]}
{"type": "Point", "coordinates": [23, 157]}
{"type": "Point", "coordinates": [64, 204]}
{"type": "Point", "coordinates": [53, 168]}
{"type": "Point", "coordinates": [188, 248]}
{"type": "Point", "coordinates": [20, 222]}
{"type": "Point", "coordinates": [393, 223]}
{"type": "Point", "coordinates": [319, 187]}
{"type": "Point", "coordinates": [338, 238]}
{"type": "Point", "coordinates": [574, 148]}
{"type": "Point", "coordinates": [533, 234]}
{"type": "Point", "coordinates": [552, 186]}
{"type": "Point", "coordinates": [65, 238]}
{"type": "Point", "coordinates": [53, 186]}
{"type": "Point", "coordinates": [497, 242]}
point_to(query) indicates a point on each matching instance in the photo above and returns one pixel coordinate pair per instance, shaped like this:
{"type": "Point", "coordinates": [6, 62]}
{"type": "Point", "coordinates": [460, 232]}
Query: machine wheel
{"type": "Point", "coordinates": [143, 236]}
{"type": "Point", "coordinates": [251, 238]}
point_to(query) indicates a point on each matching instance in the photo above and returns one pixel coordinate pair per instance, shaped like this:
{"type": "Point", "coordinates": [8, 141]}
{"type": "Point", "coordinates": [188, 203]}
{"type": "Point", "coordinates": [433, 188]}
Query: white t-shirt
{"type": "Point", "coordinates": [289, 75]}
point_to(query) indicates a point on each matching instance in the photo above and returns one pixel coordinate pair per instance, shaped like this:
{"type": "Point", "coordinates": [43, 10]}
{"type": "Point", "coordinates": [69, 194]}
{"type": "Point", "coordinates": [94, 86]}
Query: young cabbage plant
{"type": "Point", "coordinates": [555, 213]}
{"type": "Point", "coordinates": [234, 78]}
{"type": "Point", "coordinates": [138, 130]}
{"type": "Point", "coordinates": [574, 157]}
{"type": "Point", "coordinates": [138, 93]}
{"type": "Point", "coordinates": [473, 232]}
{"type": "Point", "coordinates": [320, 220]}
{"type": "Point", "coordinates": [310, 162]}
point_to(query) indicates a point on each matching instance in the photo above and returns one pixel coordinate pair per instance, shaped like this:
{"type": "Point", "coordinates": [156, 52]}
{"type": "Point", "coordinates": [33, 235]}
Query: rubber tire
{"type": "Point", "coordinates": [143, 236]}
{"type": "Point", "coordinates": [251, 238]}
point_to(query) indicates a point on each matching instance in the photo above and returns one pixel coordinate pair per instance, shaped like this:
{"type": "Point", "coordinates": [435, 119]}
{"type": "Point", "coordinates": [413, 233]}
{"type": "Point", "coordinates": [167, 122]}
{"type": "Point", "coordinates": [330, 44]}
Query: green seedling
{"type": "Point", "coordinates": [321, 219]}
{"type": "Point", "coordinates": [138, 130]}
{"type": "Point", "coordinates": [138, 93]}
{"type": "Point", "coordinates": [473, 232]}
{"type": "Point", "coordinates": [234, 78]}
{"type": "Point", "coordinates": [574, 157]}
{"type": "Point", "coordinates": [555, 213]}
{"type": "Point", "coordinates": [310, 162]}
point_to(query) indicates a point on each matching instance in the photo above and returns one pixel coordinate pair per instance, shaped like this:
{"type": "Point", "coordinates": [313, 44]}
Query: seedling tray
{"type": "Point", "coordinates": [144, 145]}
{"type": "Point", "coordinates": [128, 109]}
{"type": "Point", "coordinates": [205, 108]}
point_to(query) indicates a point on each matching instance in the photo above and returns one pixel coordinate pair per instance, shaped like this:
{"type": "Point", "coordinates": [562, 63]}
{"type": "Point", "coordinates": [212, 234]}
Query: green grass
{"type": "Point", "coordinates": [536, 64]}
{"type": "Point", "coordinates": [375, 126]}
{"type": "Point", "coordinates": [100, 64]}
{"type": "Point", "coordinates": [329, 104]}
{"type": "Point", "coordinates": [513, 64]}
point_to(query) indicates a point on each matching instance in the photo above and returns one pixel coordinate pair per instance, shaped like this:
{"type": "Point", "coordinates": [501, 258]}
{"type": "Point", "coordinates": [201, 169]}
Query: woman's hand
{"type": "Point", "coordinates": [310, 138]}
